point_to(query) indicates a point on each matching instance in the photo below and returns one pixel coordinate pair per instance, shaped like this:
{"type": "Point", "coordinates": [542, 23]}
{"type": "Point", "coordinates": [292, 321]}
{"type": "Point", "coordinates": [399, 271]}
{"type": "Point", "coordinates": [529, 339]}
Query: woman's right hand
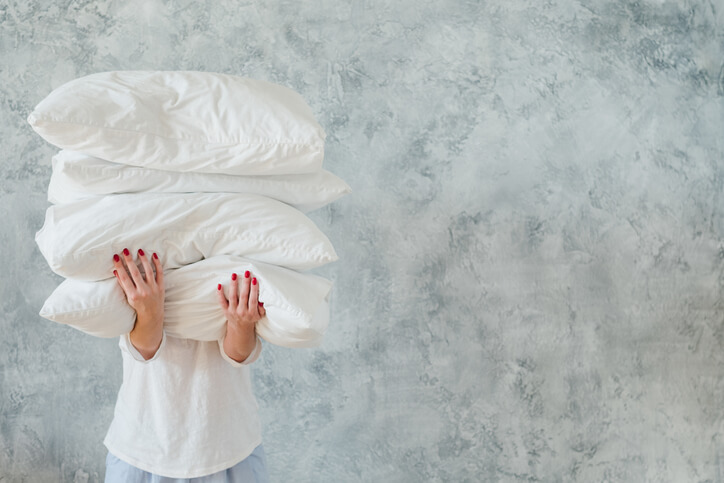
{"type": "Point", "coordinates": [145, 293]}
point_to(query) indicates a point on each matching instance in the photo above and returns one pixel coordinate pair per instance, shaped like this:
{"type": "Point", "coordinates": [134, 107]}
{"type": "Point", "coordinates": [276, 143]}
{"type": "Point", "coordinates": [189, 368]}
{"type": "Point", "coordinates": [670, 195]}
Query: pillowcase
{"type": "Point", "coordinates": [297, 304]}
{"type": "Point", "coordinates": [184, 121]}
{"type": "Point", "coordinates": [78, 239]}
{"type": "Point", "coordinates": [77, 176]}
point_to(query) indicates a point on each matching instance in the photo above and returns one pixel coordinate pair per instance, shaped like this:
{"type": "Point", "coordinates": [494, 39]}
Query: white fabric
{"type": "Point", "coordinates": [184, 121]}
{"type": "Point", "coordinates": [77, 176]}
{"type": "Point", "coordinates": [79, 239]}
{"type": "Point", "coordinates": [188, 411]}
{"type": "Point", "coordinates": [98, 308]}
{"type": "Point", "coordinates": [297, 304]}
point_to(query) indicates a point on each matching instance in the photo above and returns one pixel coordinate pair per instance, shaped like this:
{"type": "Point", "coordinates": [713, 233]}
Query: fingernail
{"type": "Point", "coordinates": [140, 252]}
{"type": "Point", "coordinates": [233, 276]}
{"type": "Point", "coordinates": [246, 274]}
{"type": "Point", "coordinates": [126, 252]}
{"type": "Point", "coordinates": [261, 304]}
{"type": "Point", "coordinates": [253, 281]}
{"type": "Point", "coordinates": [155, 256]}
{"type": "Point", "coordinates": [219, 287]}
{"type": "Point", "coordinates": [115, 272]}
{"type": "Point", "coordinates": [116, 257]}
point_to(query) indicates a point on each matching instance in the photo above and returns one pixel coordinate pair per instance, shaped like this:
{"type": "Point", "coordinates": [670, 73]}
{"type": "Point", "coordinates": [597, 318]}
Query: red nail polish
{"type": "Point", "coordinates": [219, 287]}
{"type": "Point", "coordinates": [126, 252]}
{"type": "Point", "coordinates": [246, 274]}
{"type": "Point", "coordinates": [261, 304]}
{"type": "Point", "coordinates": [155, 256]}
{"type": "Point", "coordinates": [115, 272]}
{"type": "Point", "coordinates": [140, 252]}
{"type": "Point", "coordinates": [116, 257]}
{"type": "Point", "coordinates": [233, 276]}
{"type": "Point", "coordinates": [253, 281]}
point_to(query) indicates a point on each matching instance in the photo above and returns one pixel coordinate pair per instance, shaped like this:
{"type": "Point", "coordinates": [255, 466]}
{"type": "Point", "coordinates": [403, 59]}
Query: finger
{"type": "Point", "coordinates": [222, 298]}
{"type": "Point", "coordinates": [148, 271]}
{"type": "Point", "coordinates": [254, 296]}
{"type": "Point", "coordinates": [233, 290]}
{"type": "Point", "coordinates": [262, 310]}
{"type": "Point", "coordinates": [132, 268]}
{"type": "Point", "coordinates": [122, 276]}
{"type": "Point", "coordinates": [244, 294]}
{"type": "Point", "coordinates": [159, 271]}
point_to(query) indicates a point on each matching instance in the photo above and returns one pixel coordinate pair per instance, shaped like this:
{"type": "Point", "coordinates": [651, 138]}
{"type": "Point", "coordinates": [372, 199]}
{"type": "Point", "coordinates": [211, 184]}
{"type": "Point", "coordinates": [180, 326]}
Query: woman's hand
{"type": "Point", "coordinates": [145, 293]}
{"type": "Point", "coordinates": [242, 311]}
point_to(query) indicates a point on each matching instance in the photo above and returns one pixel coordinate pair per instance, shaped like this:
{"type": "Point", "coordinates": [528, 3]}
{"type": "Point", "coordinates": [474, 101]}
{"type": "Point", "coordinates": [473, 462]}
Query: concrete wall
{"type": "Point", "coordinates": [531, 263]}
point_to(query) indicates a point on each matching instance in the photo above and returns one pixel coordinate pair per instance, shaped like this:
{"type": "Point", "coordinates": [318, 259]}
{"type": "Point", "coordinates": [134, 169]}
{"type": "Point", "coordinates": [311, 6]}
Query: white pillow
{"type": "Point", "coordinates": [96, 308]}
{"type": "Point", "coordinates": [79, 239]}
{"type": "Point", "coordinates": [77, 176]}
{"type": "Point", "coordinates": [297, 304]}
{"type": "Point", "coordinates": [184, 121]}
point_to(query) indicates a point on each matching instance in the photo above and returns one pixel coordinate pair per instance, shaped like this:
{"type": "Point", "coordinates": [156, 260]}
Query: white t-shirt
{"type": "Point", "coordinates": [188, 411]}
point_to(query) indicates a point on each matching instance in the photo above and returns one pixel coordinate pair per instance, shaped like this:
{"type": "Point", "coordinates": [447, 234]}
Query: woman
{"type": "Point", "coordinates": [185, 410]}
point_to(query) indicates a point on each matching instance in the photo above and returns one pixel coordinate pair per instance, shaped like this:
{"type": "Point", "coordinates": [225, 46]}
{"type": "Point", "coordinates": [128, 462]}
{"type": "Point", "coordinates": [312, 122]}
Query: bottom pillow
{"type": "Point", "coordinates": [297, 304]}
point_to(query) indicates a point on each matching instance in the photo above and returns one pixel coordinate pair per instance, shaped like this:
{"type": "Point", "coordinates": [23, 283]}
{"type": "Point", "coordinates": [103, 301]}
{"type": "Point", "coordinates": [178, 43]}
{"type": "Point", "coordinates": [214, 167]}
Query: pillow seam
{"type": "Point", "coordinates": [317, 253]}
{"type": "Point", "coordinates": [208, 141]}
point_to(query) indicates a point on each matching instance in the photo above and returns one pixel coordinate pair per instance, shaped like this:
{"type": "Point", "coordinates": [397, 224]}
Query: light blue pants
{"type": "Point", "coordinates": [250, 470]}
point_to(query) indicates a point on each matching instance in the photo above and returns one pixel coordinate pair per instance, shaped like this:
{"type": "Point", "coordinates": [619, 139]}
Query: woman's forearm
{"type": "Point", "coordinates": [240, 341]}
{"type": "Point", "coordinates": [146, 335]}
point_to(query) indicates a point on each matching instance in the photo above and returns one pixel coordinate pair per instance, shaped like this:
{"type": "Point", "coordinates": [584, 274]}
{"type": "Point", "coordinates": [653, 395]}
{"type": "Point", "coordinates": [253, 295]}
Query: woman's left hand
{"type": "Point", "coordinates": [242, 311]}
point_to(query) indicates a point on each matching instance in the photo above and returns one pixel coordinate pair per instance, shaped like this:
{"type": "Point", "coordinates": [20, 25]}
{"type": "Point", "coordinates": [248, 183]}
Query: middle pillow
{"type": "Point", "coordinates": [77, 176]}
{"type": "Point", "coordinates": [78, 239]}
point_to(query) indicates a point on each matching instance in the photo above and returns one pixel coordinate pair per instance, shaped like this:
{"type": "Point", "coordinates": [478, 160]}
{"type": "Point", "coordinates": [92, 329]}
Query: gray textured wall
{"type": "Point", "coordinates": [531, 261]}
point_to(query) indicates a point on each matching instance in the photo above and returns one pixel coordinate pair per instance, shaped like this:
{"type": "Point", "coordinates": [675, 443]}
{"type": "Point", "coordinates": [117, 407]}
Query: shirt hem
{"type": "Point", "coordinates": [192, 473]}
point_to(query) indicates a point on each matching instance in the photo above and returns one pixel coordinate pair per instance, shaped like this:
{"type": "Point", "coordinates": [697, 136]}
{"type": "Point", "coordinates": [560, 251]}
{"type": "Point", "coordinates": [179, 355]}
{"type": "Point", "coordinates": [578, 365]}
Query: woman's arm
{"type": "Point", "coordinates": [145, 293]}
{"type": "Point", "coordinates": [239, 343]}
{"type": "Point", "coordinates": [146, 336]}
{"type": "Point", "coordinates": [242, 312]}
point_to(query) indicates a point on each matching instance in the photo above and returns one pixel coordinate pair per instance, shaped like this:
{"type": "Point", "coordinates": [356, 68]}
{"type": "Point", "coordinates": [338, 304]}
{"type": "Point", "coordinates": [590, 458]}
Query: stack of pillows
{"type": "Point", "coordinates": [213, 172]}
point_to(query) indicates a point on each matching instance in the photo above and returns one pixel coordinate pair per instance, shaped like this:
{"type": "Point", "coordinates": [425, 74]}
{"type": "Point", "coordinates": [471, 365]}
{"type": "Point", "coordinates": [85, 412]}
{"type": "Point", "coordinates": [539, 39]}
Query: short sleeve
{"type": "Point", "coordinates": [126, 341]}
{"type": "Point", "coordinates": [252, 357]}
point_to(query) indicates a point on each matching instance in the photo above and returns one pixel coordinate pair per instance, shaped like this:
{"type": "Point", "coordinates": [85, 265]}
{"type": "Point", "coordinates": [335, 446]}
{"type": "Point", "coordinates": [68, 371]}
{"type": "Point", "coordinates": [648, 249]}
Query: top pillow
{"type": "Point", "coordinates": [184, 121]}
